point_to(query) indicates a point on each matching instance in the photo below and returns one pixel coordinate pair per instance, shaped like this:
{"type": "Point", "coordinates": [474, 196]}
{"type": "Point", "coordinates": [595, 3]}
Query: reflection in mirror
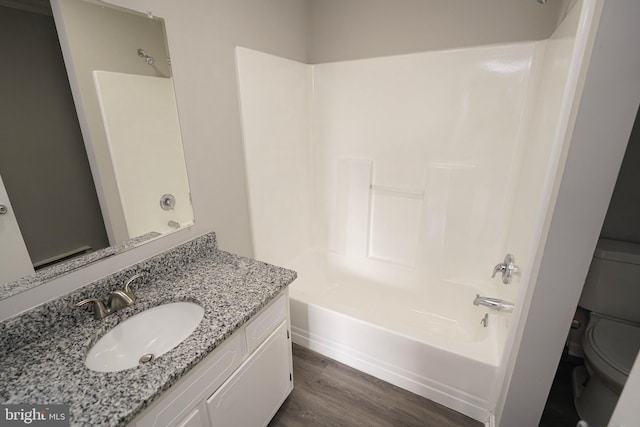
{"type": "Point", "coordinates": [92, 163]}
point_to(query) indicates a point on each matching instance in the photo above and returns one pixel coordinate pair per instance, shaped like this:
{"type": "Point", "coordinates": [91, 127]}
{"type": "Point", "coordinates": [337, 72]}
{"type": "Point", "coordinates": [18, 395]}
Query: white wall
{"type": "Point", "coordinates": [274, 97]}
{"type": "Point", "coordinates": [603, 124]}
{"type": "Point", "coordinates": [550, 99]}
{"type": "Point", "coordinates": [143, 137]}
{"type": "Point", "coordinates": [551, 105]}
{"type": "Point", "coordinates": [409, 157]}
{"type": "Point", "coordinates": [441, 130]}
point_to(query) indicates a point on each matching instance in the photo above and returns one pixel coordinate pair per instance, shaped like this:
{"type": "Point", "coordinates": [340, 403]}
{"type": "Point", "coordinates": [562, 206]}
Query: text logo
{"type": "Point", "coordinates": [34, 415]}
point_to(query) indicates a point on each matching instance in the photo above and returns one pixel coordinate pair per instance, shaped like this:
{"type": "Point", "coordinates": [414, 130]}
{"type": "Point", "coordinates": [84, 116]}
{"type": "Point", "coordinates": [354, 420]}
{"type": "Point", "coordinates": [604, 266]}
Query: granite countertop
{"type": "Point", "coordinates": [42, 352]}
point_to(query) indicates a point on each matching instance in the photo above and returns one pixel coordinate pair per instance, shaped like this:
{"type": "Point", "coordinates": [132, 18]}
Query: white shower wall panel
{"type": "Point", "coordinates": [441, 133]}
{"type": "Point", "coordinates": [549, 107]}
{"type": "Point", "coordinates": [445, 124]}
{"type": "Point", "coordinates": [143, 136]}
{"type": "Point", "coordinates": [273, 99]}
{"type": "Point", "coordinates": [397, 176]}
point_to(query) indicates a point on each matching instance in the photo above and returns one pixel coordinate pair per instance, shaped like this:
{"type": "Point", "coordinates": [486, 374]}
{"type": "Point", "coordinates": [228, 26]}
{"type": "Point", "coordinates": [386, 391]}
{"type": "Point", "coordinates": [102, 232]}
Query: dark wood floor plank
{"type": "Point", "coordinates": [328, 393]}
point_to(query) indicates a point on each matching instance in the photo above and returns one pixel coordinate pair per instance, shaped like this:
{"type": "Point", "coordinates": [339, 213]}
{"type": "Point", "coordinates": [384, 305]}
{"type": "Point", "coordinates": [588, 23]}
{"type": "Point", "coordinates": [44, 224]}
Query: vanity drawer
{"type": "Point", "coordinates": [265, 322]}
{"type": "Point", "coordinates": [197, 384]}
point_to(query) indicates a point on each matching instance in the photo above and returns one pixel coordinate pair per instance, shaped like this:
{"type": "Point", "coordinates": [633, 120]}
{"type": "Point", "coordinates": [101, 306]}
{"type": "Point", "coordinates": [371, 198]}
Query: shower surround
{"type": "Point", "coordinates": [394, 185]}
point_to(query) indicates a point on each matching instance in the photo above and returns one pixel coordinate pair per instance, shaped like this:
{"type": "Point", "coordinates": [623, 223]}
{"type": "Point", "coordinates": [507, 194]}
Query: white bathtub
{"type": "Point", "coordinates": [430, 342]}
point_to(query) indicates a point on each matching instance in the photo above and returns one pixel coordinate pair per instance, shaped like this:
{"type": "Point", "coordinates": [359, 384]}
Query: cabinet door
{"type": "Point", "coordinates": [256, 390]}
{"type": "Point", "coordinates": [196, 386]}
{"type": "Point", "coordinates": [194, 419]}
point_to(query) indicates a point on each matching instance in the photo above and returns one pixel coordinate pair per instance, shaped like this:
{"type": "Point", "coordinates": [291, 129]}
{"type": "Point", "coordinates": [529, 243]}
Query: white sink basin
{"type": "Point", "coordinates": [145, 336]}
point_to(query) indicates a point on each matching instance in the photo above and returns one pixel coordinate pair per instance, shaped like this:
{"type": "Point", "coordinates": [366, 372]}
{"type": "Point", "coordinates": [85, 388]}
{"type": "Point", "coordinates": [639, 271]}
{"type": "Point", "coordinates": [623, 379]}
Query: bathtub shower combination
{"type": "Point", "coordinates": [395, 185]}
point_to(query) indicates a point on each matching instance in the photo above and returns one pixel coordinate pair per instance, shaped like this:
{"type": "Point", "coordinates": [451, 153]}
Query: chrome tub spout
{"type": "Point", "coordinates": [493, 303]}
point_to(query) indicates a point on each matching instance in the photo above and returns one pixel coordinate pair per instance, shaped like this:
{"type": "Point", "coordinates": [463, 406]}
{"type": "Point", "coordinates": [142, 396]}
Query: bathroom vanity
{"type": "Point", "coordinates": [233, 369]}
{"type": "Point", "coordinates": [251, 369]}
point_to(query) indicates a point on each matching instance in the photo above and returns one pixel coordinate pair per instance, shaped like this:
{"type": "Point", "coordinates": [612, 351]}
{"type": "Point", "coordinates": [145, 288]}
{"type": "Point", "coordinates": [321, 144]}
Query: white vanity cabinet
{"type": "Point", "coordinates": [241, 383]}
{"type": "Point", "coordinates": [254, 392]}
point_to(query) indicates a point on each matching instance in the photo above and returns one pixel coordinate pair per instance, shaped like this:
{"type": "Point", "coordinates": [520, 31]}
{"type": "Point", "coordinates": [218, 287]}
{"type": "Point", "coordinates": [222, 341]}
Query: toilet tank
{"type": "Point", "coordinates": [612, 286]}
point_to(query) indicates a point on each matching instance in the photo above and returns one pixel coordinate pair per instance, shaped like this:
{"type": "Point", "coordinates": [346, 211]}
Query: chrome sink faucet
{"type": "Point", "coordinates": [493, 303]}
{"type": "Point", "coordinates": [117, 300]}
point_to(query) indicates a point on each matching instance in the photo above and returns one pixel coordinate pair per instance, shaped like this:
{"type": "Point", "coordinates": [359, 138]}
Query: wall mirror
{"type": "Point", "coordinates": [91, 155]}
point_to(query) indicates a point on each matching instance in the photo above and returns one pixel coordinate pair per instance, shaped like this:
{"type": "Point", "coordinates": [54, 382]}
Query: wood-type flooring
{"type": "Point", "coordinates": [328, 393]}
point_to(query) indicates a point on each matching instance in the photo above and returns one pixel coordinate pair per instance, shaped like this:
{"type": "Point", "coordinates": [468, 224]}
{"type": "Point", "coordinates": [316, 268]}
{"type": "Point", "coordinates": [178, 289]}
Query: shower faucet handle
{"type": "Point", "coordinates": [507, 268]}
{"type": "Point", "coordinates": [499, 268]}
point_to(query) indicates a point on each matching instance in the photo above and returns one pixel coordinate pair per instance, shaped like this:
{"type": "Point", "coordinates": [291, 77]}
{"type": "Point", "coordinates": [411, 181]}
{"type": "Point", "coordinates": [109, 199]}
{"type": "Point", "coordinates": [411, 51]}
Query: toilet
{"type": "Point", "coordinates": [612, 337]}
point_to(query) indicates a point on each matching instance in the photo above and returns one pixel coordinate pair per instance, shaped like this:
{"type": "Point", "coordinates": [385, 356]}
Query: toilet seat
{"type": "Point", "coordinates": [611, 347]}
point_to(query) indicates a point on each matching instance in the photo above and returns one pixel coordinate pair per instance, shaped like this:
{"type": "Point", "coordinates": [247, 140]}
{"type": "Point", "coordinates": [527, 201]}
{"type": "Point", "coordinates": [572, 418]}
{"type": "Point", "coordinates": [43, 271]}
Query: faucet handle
{"type": "Point", "coordinates": [127, 286]}
{"type": "Point", "coordinates": [507, 268]}
{"type": "Point", "coordinates": [100, 311]}
{"type": "Point", "coordinates": [118, 300]}
{"type": "Point", "coordinates": [499, 268]}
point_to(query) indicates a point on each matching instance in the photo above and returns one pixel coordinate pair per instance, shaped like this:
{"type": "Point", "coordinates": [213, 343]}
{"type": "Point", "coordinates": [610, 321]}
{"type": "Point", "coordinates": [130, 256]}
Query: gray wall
{"type": "Point", "coordinates": [42, 158]}
{"type": "Point", "coordinates": [352, 29]}
{"type": "Point", "coordinates": [623, 217]}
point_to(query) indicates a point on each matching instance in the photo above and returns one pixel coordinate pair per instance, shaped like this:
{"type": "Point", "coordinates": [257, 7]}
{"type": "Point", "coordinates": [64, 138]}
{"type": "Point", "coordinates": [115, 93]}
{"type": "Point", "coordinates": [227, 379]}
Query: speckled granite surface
{"type": "Point", "coordinates": [62, 268]}
{"type": "Point", "coordinates": [42, 351]}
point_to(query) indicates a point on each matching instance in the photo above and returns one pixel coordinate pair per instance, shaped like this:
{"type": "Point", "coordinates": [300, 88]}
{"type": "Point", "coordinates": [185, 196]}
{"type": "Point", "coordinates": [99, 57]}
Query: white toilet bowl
{"type": "Point", "coordinates": [610, 348]}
